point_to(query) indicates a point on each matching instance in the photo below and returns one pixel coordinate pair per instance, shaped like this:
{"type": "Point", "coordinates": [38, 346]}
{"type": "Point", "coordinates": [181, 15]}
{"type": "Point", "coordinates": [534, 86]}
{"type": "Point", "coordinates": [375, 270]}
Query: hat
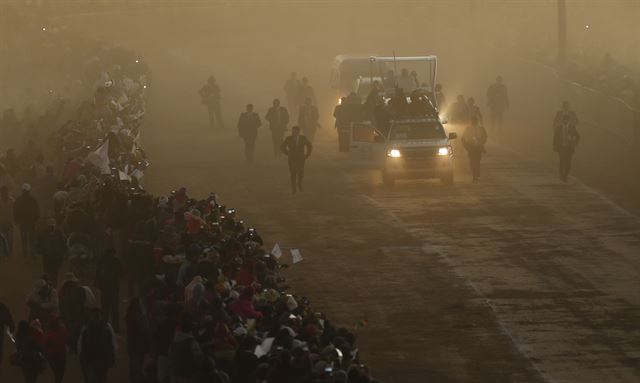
{"type": "Point", "coordinates": [70, 277]}
{"type": "Point", "coordinates": [26, 188]}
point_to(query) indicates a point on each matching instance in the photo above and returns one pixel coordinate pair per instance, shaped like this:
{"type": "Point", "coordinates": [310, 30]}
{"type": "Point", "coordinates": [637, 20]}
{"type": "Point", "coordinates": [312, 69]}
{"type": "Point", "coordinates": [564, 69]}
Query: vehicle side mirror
{"type": "Point", "coordinates": [453, 135]}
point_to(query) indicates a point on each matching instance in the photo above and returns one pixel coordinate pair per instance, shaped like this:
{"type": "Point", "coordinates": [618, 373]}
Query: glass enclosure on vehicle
{"type": "Point", "coordinates": [422, 130]}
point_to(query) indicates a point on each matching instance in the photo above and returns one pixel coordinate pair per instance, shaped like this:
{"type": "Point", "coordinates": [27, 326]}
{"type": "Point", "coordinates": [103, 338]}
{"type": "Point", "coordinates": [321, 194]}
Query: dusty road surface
{"type": "Point", "coordinates": [518, 278]}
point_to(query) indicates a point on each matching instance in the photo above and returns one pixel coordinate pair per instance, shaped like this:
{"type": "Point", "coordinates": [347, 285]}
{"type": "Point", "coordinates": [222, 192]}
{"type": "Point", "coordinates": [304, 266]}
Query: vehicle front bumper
{"type": "Point", "coordinates": [433, 167]}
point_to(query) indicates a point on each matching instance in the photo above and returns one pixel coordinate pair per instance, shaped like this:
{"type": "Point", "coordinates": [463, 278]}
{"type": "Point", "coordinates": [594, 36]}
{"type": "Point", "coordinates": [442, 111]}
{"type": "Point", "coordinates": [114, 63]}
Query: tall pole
{"type": "Point", "coordinates": [562, 31]}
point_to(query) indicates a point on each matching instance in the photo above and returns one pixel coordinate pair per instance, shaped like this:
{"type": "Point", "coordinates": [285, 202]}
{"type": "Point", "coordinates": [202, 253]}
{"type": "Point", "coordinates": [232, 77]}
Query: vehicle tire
{"type": "Point", "coordinates": [447, 180]}
{"type": "Point", "coordinates": [387, 180]}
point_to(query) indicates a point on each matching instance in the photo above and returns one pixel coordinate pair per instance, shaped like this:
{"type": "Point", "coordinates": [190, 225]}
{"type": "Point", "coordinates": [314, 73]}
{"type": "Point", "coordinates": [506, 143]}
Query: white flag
{"type": "Point", "coordinates": [264, 348]}
{"type": "Point", "coordinates": [296, 256]}
{"type": "Point", "coordinates": [276, 252]}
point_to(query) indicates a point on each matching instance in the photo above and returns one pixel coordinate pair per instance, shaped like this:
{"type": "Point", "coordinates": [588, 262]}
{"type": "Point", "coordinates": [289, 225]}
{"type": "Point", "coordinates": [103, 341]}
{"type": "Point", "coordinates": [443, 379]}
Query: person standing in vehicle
{"type": "Point", "coordinates": [248, 125]}
{"type": "Point", "coordinates": [498, 102]}
{"type": "Point", "coordinates": [292, 91]}
{"type": "Point", "coordinates": [297, 148]}
{"type": "Point", "coordinates": [278, 118]}
{"type": "Point", "coordinates": [210, 95]}
{"type": "Point", "coordinates": [441, 100]}
{"type": "Point", "coordinates": [308, 119]}
{"type": "Point", "coordinates": [474, 139]}
{"type": "Point", "coordinates": [565, 138]}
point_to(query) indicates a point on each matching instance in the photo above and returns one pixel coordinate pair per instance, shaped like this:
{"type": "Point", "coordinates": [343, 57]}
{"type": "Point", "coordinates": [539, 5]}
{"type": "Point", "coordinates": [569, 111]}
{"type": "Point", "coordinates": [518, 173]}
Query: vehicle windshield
{"type": "Point", "coordinates": [427, 130]}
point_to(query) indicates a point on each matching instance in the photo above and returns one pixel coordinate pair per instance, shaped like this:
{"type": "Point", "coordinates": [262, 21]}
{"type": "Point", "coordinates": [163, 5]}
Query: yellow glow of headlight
{"type": "Point", "coordinates": [394, 153]}
{"type": "Point", "coordinates": [444, 151]}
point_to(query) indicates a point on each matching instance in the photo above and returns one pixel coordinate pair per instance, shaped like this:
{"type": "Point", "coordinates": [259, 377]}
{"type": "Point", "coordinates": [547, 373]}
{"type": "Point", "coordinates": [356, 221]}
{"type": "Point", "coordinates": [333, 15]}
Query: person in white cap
{"type": "Point", "coordinates": [26, 213]}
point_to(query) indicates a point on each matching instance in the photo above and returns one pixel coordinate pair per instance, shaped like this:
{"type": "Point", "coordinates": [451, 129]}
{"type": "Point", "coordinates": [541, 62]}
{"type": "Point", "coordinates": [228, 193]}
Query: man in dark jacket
{"type": "Point", "coordinates": [278, 118]}
{"type": "Point", "coordinates": [308, 119]}
{"type": "Point", "coordinates": [73, 303]}
{"type": "Point", "coordinates": [97, 348]}
{"type": "Point", "coordinates": [26, 213]}
{"type": "Point", "coordinates": [297, 148]}
{"type": "Point", "coordinates": [565, 138]}
{"type": "Point", "coordinates": [498, 102]}
{"type": "Point", "coordinates": [210, 95]}
{"type": "Point", "coordinates": [52, 246]}
{"type": "Point", "coordinates": [248, 125]}
{"type": "Point", "coordinates": [109, 272]}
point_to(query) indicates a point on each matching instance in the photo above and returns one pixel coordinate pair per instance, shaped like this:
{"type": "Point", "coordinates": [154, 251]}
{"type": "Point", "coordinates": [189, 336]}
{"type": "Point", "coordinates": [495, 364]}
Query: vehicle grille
{"type": "Point", "coordinates": [419, 153]}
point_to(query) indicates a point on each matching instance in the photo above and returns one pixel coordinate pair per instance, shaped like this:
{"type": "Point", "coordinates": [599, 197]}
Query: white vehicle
{"type": "Point", "coordinates": [418, 148]}
{"type": "Point", "coordinates": [347, 69]}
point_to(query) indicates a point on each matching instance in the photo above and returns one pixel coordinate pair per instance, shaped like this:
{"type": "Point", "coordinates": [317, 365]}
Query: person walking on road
{"type": "Point", "coordinates": [248, 125]}
{"type": "Point", "coordinates": [210, 95]}
{"type": "Point", "coordinates": [97, 348]}
{"type": "Point", "coordinates": [109, 272]}
{"type": "Point", "coordinates": [565, 138]}
{"type": "Point", "coordinates": [52, 246]}
{"type": "Point", "coordinates": [308, 119]}
{"type": "Point", "coordinates": [474, 139]}
{"type": "Point", "coordinates": [306, 91]}
{"type": "Point", "coordinates": [297, 148]}
{"type": "Point", "coordinates": [6, 222]}
{"type": "Point", "coordinates": [26, 213]}
{"type": "Point", "coordinates": [292, 90]}
{"type": "Point", "coordinates": [278, 118]}
{"type": "Point", "coordinates": [498, 102]}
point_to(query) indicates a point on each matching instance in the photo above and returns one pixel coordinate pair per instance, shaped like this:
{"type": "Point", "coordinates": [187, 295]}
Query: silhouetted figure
{"type": "Point", "coordinates": [308, 119]}
{"type": "Point", "coordinates": [26, 213]}
{"type": "Point", "coordinates": [297, 148]}
{"type": "Point", "coordinates": [474, 111]}
{"type": "Point", "coordinates": [278, 118]}
{"type": "Point", "coordinates": [406, 82]}
{"type": "Point", "coordinates": [248, 125]}
{"type": "Point", "coordinates": [441, 100]}
{"type": "Point", "coordinates": [292, 91]}
{"type": "Point", "coordinates": [306, 92]}
{"type": "Point", "coordinates": [52, 246]}
{"type": "Point", "coordinates": [210, 95]}
{"type": "Point", "coordinates": [474, 138]}
{"type": "Point", "coordinates": [498, 102]}
{"type": "Point", "coordinates": [97, 348]}
{"type": "Point", "coordinates": [109, 272]}
{"type": "Point", "coordinates": [565, 138]}
{"type": "Point", "coordinates": [459, 113]}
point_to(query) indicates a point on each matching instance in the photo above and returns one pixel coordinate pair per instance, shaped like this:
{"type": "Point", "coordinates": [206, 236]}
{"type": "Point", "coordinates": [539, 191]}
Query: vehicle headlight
{"type": "Point", "coordinates": [394, 153]}
{"type": "Point", "coordinates": [444, 151]}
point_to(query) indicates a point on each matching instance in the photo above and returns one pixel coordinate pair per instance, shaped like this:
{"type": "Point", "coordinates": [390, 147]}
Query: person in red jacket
{"type": "Point", "coordinates": [55, 342]}
{"type": "Point", "coordinates": [244, 306]}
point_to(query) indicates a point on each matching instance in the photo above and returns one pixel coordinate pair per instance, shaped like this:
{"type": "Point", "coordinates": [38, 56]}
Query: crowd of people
{"type": "Point", "coordinates": [205, 300]}
{"type": "Point", "coordinates": [206, 303]}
